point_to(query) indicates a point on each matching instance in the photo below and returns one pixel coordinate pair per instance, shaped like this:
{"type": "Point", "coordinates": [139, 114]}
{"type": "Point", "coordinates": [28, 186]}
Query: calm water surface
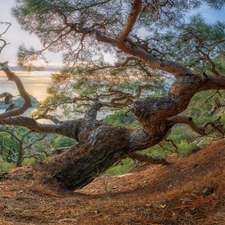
{"type": "Point", "coordinates": [35, 83]}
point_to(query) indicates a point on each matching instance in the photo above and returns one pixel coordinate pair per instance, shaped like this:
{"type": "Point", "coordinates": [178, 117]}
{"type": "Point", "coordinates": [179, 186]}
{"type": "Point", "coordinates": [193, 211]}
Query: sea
{"type": "Point", "coordinates": [35, 83]}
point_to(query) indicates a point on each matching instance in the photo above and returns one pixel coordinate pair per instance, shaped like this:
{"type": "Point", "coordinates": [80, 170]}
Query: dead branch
{"type": "Point", "coordinates": [146, 158]}
{"type": "Point", "coordinates": [4, 43]}
{"type": "Point", "coordinates": [172, 142]}
{"type": "Point", "coordinates": [216, 125]}
{"type": "Point", "coordinates": [7, 27]}
{"type": "Point", "coordinates": [213, 94]}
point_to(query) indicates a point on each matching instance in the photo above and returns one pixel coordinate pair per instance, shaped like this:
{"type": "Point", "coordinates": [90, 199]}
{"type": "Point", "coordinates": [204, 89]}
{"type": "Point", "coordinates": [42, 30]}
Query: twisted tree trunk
{"type": "Point", "coordinates": [100, 145]}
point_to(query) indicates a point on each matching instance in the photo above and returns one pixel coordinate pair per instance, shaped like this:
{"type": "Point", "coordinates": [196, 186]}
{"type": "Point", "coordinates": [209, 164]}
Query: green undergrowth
{"type": "Point", "coordinates": [182, 140]}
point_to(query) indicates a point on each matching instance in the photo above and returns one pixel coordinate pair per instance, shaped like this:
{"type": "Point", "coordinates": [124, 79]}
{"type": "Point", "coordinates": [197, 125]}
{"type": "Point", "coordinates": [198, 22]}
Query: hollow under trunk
{"type": "Point", "coordinates": [83, 162]}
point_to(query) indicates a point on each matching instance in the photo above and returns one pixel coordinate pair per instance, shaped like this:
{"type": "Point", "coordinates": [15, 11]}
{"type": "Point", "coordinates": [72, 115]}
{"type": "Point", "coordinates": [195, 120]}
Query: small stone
{"type": "Point", "coordinates": [207, 191]}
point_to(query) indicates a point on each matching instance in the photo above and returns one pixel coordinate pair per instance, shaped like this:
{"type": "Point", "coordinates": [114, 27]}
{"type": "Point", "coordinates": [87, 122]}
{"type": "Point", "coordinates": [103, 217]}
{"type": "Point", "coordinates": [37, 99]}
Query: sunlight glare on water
{"type": "Point", "coordinates": [35, 83]}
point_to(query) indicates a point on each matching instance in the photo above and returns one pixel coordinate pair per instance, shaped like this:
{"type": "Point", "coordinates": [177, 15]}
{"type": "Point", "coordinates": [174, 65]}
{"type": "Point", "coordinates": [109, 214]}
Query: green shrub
{"type": "Point", "coordinates": [27, 161]}
{"type": "Point", "coordinates": [185, 148]}
{"type": "Point", "coordinates": [5, 166]}
{"type": "Point", "coordinates": [123, 168]}
{"type": "Point", "coordinates": [119, 118]}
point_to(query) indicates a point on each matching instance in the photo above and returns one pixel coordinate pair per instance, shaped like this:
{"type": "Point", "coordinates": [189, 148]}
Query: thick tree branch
{"type": "Point", "coordinates": [126, 45]}
{"type": "Point", "coordinates": [146, 158]}
{"type": "Point", "coordinates": [67, 128]}
{"type": "Point", "coordinates": [134, 13]}
{"type": "Point", "coordinates": [91, 113]}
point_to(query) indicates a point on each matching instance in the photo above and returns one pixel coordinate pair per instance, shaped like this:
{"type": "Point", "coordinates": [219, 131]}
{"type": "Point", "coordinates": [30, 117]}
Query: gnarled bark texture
{"type": "Point", "coordinates": [100, 145]}
{"type": "Point", "coordinates": [79, 27]}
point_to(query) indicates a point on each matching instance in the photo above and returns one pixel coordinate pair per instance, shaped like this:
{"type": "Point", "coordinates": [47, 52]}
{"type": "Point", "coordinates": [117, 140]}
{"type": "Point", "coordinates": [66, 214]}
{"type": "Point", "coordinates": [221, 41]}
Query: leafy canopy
{"type": "Point", "coordinates": [84, 31]}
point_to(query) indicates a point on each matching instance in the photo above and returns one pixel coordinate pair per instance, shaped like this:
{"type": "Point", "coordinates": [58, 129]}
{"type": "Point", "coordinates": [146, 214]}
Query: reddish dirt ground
{"type": "Point", "coordinates": [188, 191]}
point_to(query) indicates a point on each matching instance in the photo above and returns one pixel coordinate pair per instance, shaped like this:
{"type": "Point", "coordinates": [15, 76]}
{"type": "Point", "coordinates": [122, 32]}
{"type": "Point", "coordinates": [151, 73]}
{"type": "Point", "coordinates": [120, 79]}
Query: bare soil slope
{"type": "Point", "coordinates": [189, 191]}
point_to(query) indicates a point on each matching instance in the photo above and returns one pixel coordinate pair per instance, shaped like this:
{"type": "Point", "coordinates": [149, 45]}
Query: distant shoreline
{"type": "Point", "coordinates": [19, 101]}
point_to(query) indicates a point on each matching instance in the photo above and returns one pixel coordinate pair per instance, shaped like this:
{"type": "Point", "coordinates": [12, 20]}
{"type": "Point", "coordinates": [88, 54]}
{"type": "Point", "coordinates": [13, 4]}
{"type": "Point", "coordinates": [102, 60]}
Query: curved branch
{"type": "Point", "coordinates": [186, 120]}
{"type": "Point", "coordinates": [3, 45]}
{"type": "Point", "coordinates": [8, 26]}
{"type": "Point", "coordinates": [2, 40]}
{"type": "Point", "coordinates": [212, 64]}
{"type": "Point", "coordinates": [202, 129]}
{"type": "Point", "coordinates": [27, 101]}
{"type": "Point", "coordinates": [125, 44]}
{"type": "Point", "coordinates": [216, 124]}
{"type": "Point", "coordinates": [135, 10]}
{"type": "Point", "coordinates": [8, 97]}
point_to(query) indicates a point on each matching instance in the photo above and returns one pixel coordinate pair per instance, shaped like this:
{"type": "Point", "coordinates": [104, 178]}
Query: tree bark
{"type": "Point", "coordinates": [83, 162]}
{"type": "Point", "coordinates": [100, 145]}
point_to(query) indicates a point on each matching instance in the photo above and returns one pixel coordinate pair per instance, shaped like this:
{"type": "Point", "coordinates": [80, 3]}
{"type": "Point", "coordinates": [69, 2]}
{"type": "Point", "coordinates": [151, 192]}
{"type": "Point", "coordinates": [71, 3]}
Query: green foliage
{"type": "Point", "coordinates": [185, 148]}
{"type": "Point", "coordinates": [119, 118]}
{"type": "Point", "coordinates": [27, 57]}
{"type": "Point", "coordinates": [190, 43]}
{"type": "Point", "coordinates": [39, 150]}
{"type": "Point", "coordinates": [215, 4]}
{"type": "Point", "coordinates": [181, 132]}
{"type": "Point", "coordinates": [62, 141]}
{"type": "Point", "coordinates": [124, 166]}
{"type": "Point", "coordinates": [159, 151]}
{"type": "Point", "coordinates": [202, 103]}
{"type": "Point", "coordinates": [167, 29]}
{"type": "Point", "coordinates": [5, 166]}
{"type": "Point", "coordinates": [181, 141]}
{"type": "Point", "coordinates": [6, 144]}
{"type": "Point", "coordinates": [27, 161]}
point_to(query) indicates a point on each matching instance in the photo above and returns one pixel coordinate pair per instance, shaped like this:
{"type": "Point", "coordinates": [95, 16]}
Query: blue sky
{"type": "Point", "coordinates": [15, 36]}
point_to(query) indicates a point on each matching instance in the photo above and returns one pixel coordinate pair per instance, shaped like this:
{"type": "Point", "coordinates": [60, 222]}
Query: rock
{"type": "Point", "coordinates": [19, 101]}
{"type": "Point", "coordinates": [207, 191]}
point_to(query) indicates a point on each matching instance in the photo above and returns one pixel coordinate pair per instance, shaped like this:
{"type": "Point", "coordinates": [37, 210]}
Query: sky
{"type": "Point", "coordinates": [15, 36]}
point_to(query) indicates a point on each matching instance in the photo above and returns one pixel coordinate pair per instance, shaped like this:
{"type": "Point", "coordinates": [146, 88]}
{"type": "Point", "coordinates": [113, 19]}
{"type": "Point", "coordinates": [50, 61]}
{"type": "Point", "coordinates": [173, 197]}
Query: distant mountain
{"type": "Point", "coordinates": [50, 68]}
{"type": "Point", "coordinates": [19, 101]}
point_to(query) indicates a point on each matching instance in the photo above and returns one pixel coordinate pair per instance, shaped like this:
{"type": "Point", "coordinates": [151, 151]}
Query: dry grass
{"type": "Point", "coordinates": [155, 195]}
